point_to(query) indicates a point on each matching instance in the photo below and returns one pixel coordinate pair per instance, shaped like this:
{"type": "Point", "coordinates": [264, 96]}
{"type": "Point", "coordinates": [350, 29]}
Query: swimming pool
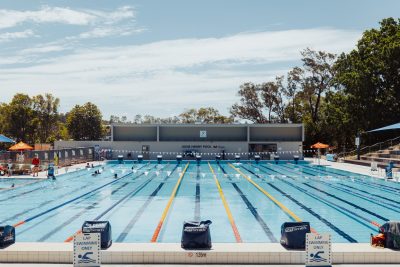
{"type": "Point", "coordinates": [246, 202]}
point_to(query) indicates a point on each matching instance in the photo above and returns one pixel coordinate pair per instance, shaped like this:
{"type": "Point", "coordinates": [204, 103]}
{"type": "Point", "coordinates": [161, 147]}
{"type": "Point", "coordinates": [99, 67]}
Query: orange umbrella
{"type": "Point", "coordinates": [319, 145]}
{"type": "Point", "coordinates": [21, 146]}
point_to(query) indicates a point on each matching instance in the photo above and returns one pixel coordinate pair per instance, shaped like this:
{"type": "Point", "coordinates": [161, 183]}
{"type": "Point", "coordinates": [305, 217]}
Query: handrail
{"type": "Point", "coordinates": [382, 145]}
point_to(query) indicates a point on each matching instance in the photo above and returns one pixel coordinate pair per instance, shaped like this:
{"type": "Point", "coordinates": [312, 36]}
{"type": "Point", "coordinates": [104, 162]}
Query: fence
{"type": "Point", "coordinates": [65, 157]}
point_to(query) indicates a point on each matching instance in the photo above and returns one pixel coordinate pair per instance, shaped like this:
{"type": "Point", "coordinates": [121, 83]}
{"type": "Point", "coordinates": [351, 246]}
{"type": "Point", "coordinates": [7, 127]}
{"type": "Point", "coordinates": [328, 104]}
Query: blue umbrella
{"type": "Point", "coordinates": [4, 139]}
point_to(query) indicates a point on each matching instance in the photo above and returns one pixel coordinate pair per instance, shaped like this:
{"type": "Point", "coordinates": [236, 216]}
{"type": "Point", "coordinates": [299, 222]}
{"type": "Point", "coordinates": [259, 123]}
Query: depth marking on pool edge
{"type": "Point", "coordinates": [226, 206]}
{"type": "Point", "coordinates": [165, 212]}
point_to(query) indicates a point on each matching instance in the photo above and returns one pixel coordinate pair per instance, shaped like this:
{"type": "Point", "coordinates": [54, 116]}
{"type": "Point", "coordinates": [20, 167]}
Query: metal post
{"type": "Point", "coordinates": [358, 146]}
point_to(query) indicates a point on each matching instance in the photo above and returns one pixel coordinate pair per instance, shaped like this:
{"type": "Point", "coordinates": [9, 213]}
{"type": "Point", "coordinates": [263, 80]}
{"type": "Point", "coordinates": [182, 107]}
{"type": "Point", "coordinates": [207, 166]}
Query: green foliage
{"type": "Point", "coordinates": [370, 77]}
{"type": "Point", "coordinates": [85, 122]}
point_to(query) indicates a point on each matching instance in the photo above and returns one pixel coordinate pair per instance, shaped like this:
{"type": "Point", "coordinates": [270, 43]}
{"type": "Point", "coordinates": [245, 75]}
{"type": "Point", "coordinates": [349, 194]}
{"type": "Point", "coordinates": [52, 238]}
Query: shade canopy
{"type": "Point", "coordinates": [21, 146]}
{"type": "Point", "coordinates": [5, 139]}
{"type": "Point", "coordinates": [319, 145]}
{"type": "Point", "coordinates": [395, 126]}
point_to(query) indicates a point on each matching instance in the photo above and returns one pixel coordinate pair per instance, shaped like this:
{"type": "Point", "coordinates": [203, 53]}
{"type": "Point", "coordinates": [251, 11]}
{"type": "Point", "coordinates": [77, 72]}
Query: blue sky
{"type": "Point", "coordinates": [160, 57]}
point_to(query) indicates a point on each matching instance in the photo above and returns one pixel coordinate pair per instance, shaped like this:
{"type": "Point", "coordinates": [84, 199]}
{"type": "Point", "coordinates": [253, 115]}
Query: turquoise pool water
{"type": "Point", "coordinates": [344, 204]}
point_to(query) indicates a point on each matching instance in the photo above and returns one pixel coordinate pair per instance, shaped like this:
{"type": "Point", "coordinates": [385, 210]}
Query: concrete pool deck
{"type": "Point", "coordinates": [172, 253]}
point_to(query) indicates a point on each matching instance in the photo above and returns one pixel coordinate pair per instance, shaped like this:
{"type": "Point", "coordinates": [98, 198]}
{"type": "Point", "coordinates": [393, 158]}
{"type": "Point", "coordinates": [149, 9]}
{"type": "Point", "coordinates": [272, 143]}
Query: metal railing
{"type": "Point", "coordinates": [372, 148]}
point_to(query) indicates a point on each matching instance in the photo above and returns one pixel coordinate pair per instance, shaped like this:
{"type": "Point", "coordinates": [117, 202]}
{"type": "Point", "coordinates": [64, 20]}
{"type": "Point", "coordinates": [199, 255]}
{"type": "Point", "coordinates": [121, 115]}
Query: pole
{"type": "Point", "coordinates": [358, 146]}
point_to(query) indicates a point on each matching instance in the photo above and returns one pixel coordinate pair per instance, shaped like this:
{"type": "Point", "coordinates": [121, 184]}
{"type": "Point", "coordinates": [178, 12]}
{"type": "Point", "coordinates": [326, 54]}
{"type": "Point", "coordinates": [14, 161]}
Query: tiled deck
{"type": "Point", "coordinates": [227, 253]}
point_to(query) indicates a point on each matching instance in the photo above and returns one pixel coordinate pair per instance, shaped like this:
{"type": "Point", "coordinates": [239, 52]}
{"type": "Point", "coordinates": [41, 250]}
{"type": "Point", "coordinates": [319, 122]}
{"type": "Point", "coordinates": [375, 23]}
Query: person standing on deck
{"type": "Point", "coordinates": [35, 163]}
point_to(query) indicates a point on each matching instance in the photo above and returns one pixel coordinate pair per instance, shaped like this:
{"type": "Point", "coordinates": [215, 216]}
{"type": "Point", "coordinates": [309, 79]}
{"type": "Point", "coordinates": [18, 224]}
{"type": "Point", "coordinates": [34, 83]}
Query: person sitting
{"type": "Point", "coordinates": [87, 165]}
{"type": "Point", "coordinates": [35, 163]}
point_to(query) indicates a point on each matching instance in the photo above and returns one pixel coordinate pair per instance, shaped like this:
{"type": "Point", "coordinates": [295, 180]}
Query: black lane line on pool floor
{"type": "Point", "coordinates": [33, 190]}
{"type": "Point", "coordinates": [373, 184]}
{"type": "Point", "coordinates": [93, 205]}
{"type": "Point", "coordinates": [197, 199]}
{"type": "Point", "coordinates": [142, 209]}
{"type": "Point", "coordinates": [355, 194]}
{"type": "Point", "coordinates": [335, 197]}
{"type": "Point", "coordinates": [251, 208]}
{"type": "Point", "coordinates": [309, 210]}
{"type": "Point", "coordinates": [331, 204]}
{"type": "Point", "coordinates": [58, 212]}
{"type": "Point", "coordinates": [40, 205]}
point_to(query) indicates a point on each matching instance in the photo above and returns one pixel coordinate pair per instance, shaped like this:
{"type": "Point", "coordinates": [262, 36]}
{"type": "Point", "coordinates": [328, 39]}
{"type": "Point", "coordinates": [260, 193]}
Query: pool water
{"type": "Point", "coordinates": [258, 198]}
{"type": "Point", "coordinates": [6, 183]}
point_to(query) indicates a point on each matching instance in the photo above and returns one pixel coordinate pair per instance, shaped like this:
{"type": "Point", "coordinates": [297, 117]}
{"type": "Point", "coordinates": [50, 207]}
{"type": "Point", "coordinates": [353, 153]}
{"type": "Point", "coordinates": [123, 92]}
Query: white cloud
{"type": "Point", "coordinates": [9, 36]}
{"type": "Point", "coordinates": [42, 49]}
{"type": "Point", "coordinates": [65, 15]}
{"type": "Point", "coordinates": [163, 78]}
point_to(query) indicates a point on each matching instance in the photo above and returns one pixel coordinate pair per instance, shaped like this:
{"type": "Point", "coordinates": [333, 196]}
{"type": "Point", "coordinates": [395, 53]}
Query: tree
{"type": "Point", "coordinates": [293, 86]}
{"type": "Point", "coordinates": [369, 75]}
{"type": "Point", "coordinates": [84, 122]}
{"type": "Point", "coordinates": [188, 116]}
{"type": "Point", "coordinates": [316, 80]}
{"type": "Point", "coordinates": [250, 106]}
{"type": "Point", "coordinates": [19, 119]}
{"type": "Point", "coordinates": [46, 114]}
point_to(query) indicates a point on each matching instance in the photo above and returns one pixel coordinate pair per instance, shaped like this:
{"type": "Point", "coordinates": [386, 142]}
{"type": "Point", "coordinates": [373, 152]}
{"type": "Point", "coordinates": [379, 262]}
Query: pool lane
{"type": "Point", "coordinates": [54, 187]}
{"type": "Point", "coordinates": [226, 206]}
{"type": "Point", "coordinates": [121, 237]}
{"type": "Point", "coordinates": [98, 203]}
{"type": "Point", "coordinates": [156, 235]}
{"type": "Point", "coordinates": [53, 192]}
{"type": "Point", "coordinates": [373, 182]}
{"type": "Point", "coordinates": [353, 199]}
{"type": "Point", "coordinates": [306, 207]}
{"type": "Point", "coordinates": [358, 232]}
{"type": "Point", "coordinates": [57, 214]}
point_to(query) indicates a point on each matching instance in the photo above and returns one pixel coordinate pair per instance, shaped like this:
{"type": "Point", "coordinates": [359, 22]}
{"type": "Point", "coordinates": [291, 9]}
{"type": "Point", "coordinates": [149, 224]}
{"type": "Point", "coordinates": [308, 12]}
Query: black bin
{"type": "Point", "coordinates": [391, 230]}
{"type": "Point", "coordinates": [276, 158]}
{"type": "Point", "coordinates": [257, 158]}
{"type": "Point", "coordinates": [102, 227]}
{"type": "Point", "coordinates": [159, 159]}
{"type": "Point", "coordinates": [7, 235]}
{"type": "Point", "coordinates": [293, 234]}
{"type": "Point", "coordinates": [296, 159]}
{"type": "Point", "coordinates": [196, 235]}
{"type": "Point", "coordinates": [179, 158]}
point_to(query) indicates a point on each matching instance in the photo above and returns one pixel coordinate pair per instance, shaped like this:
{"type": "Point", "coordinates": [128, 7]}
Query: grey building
{"type": "Point", "coordinates": [208, 140]}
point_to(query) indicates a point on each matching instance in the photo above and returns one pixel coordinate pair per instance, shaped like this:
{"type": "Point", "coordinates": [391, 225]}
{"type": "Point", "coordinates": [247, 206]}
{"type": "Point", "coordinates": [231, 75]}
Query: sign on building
{"type": "Point", "coordinates": [203, 134]}
{"type": "Point", "coordinates": [318, 250]}
{"type": "Point", "coordinates": [87, 250]}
